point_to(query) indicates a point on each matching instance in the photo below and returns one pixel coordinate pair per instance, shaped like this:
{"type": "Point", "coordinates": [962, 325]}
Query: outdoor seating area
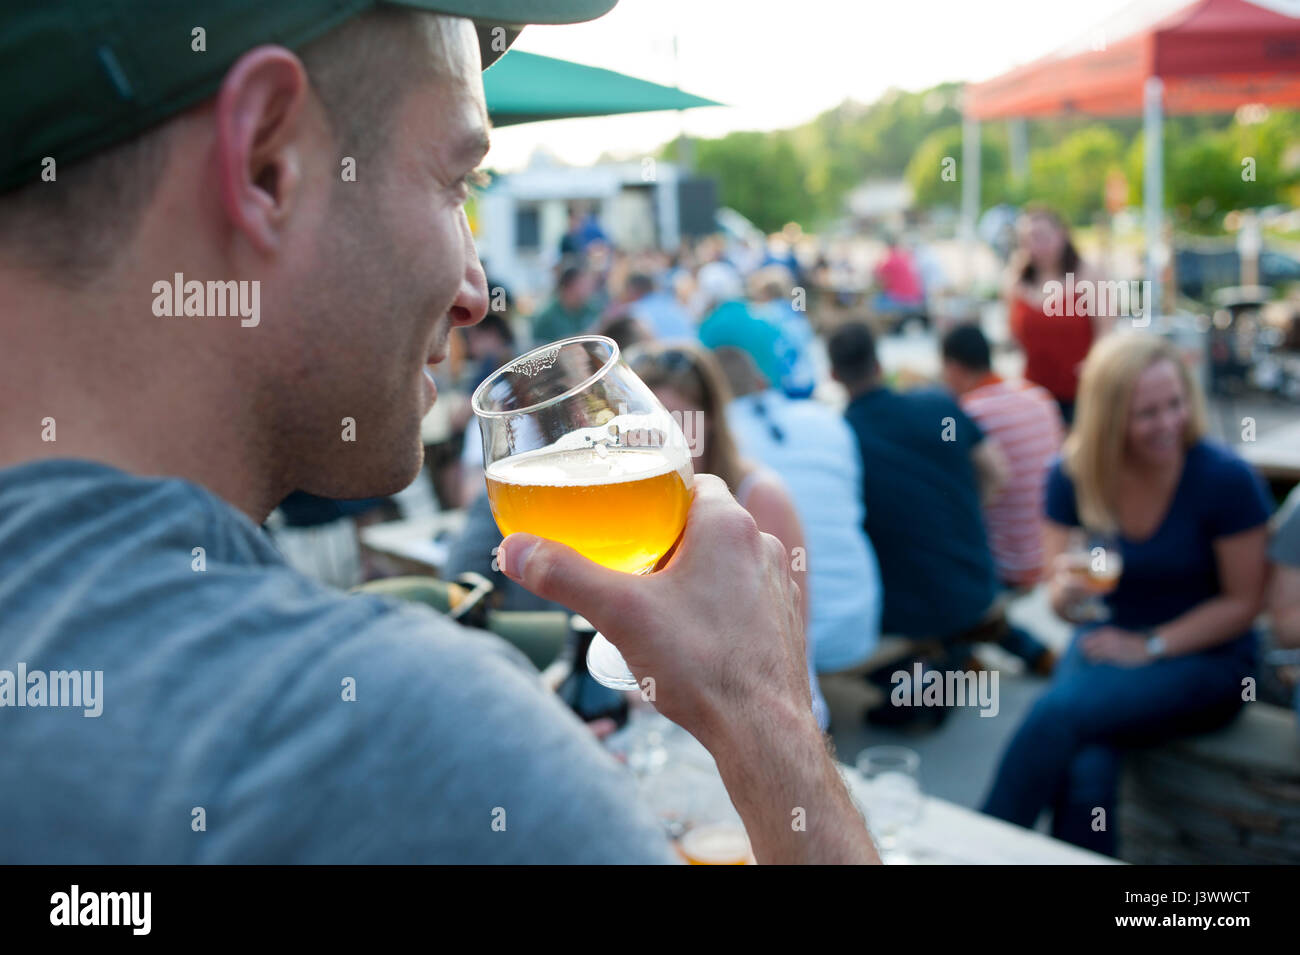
{"type": "Point", "coordinates": [648, 432]}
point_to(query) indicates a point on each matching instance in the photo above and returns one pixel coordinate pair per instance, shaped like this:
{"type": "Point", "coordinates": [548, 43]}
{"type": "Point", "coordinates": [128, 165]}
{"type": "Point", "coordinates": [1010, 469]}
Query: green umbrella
{"type": "Point", "coordinates": [524, 88]}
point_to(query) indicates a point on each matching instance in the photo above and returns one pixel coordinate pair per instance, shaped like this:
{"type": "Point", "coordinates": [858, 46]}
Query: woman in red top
{"type": "Point", "coordinates": [1054, 333]}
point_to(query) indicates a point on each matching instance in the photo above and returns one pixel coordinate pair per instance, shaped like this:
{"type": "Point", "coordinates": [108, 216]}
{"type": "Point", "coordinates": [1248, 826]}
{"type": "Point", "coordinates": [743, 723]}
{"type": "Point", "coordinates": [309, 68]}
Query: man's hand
{"type": "Point", "coordinates": [1113, 645]}
{"type": "Point", "coordinates": [713, 637]}
{"type": "Point", "coordinates": [716, 640]}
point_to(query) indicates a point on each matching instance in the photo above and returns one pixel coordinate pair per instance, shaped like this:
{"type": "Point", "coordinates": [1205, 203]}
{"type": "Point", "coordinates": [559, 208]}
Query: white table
{"type": "Point", "coordinates": [945, 834]}
{"type": "Point", "coordinates": [948, 834]}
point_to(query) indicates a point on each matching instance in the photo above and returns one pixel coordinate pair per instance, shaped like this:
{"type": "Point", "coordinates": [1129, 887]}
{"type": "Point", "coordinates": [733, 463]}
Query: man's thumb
{"type": "Point", "coordinates": [555, 571]}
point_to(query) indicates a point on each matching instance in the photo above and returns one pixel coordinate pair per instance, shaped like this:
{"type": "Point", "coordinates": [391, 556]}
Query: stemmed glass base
{"type": "Point", "coordinates": [607, 667]}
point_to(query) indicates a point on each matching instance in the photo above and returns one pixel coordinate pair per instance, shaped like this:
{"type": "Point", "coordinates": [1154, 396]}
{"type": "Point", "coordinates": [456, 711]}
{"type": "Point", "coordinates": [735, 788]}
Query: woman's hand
{"type": "Point", "coordinates": [1113, 645]}
{"type": "Point", "coordinates": [1067, 588]}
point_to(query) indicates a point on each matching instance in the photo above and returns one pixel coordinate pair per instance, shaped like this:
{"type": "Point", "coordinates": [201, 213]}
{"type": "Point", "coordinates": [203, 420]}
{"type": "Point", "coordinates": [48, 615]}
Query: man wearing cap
{"type": "Point", "coordinates": [167, 175]}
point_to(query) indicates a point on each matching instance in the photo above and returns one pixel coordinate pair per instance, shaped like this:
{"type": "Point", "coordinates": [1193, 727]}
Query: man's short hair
{"type": "Point", "coordinates": [71, 229]}
{"type": "Point", "coordinates": [640, 284]}
{"type": "Point", "coordinates": [967, 346]}
{"type": "Point", "coordinates": [852, 351]}
{"type": "Point", "coordinates": [570, 275]}
{"type": "Point", "coordinates": [493, 323]}
{"type": "Point", "coordinates": [741, 371]}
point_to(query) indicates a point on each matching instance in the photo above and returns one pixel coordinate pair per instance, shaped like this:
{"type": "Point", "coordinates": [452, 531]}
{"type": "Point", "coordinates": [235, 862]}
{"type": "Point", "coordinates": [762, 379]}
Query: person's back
{"type": "Point", "coordinates": [664, 317]}
{"type": "Point", "coordinates": [247, 714]}
{"type": "Point", "coordinates": [1025, 423]}
{"type": "Point", "coordinates": [814, 452]}
{"type": "Point", "coordinates": [923, 510]}
{"type": "Point", "coordinates": [899, 278]}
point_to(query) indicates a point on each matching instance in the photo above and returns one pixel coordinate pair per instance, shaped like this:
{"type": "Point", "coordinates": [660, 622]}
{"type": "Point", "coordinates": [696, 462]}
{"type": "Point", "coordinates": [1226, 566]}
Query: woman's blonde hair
{"type": "Point", "coordinates": [1094, 450]}
{"type": "Point", "coordinates": [693, 372]}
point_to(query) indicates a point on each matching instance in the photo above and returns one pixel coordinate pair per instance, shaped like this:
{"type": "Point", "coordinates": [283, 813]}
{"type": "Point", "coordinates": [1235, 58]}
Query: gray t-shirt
{"type": "Point", "coordinates": [224, 732]}
{"type": "Point", "coordinates": [1285, 546]}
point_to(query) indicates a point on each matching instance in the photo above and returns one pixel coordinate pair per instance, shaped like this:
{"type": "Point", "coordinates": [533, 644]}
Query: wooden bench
{"type": "Point", "coordinates": [1227, 797]}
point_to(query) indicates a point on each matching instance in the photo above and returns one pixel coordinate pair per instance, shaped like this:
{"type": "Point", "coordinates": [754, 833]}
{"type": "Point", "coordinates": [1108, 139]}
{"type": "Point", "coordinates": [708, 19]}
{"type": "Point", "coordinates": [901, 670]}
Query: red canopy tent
{"type": "Point", "coordinates": [1180, 56]}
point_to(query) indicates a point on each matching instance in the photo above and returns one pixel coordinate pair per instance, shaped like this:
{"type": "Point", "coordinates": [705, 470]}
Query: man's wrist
{"type": "Point", "coordinates": [1155, 644]}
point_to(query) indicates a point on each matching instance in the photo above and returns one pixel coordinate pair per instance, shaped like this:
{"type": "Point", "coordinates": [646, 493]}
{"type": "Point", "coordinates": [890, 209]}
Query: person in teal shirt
{"type": "Point", "coordinates": [571, 312]}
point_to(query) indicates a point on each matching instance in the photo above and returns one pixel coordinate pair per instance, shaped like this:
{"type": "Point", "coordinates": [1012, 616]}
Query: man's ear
{"type": "Point", "coordinates": [261, 112]}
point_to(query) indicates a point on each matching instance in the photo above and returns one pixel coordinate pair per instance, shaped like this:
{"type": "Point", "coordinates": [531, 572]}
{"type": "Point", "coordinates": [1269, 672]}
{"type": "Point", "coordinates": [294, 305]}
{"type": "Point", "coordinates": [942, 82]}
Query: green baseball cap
{"type": "Point", "coordinates": [81, 75]}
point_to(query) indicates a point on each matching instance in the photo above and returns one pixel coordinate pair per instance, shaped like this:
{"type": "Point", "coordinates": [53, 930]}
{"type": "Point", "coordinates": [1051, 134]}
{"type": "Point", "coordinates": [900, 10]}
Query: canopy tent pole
{"type": "Point", "coordinates": [970, 191]}
{"type": "Point", "coordinates": [1154, 189]}
{"type": "Point", "coordinates": [1018, 143]}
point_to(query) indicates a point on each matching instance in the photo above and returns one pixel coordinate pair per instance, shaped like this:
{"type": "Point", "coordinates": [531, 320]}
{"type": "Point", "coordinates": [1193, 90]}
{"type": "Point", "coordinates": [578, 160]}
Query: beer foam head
{"type": "Point", "coordinates": [717, 844]}
{"type": "Point", "coordinates": [582, 467]}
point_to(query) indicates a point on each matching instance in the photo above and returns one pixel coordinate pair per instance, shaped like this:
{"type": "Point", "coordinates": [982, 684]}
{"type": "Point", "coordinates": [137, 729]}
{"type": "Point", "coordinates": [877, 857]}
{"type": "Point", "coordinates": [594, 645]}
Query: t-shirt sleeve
{"type": "Point", "coordinates": [1285, 547]}
{"type": "Point", "coordinates": [452, 751]}
{"type": "Point", "coordinates": [968, 426]}
{"type": "Point", "coordinates": [1236, 499]}
{"type": "Point", "coordinates": [1060, 505]}
{"type": "Point", "coordinates": [968, 433]}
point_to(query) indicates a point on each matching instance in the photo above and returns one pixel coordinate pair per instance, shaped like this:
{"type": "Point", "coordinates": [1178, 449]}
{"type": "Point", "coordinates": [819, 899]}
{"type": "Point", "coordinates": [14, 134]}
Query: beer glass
{"type": "Point", "coordinates": [1094, 557]}
{"type": "Point", "coordinates": [894, 798]}
{"type": "Point", "coordinates": [577, 449]}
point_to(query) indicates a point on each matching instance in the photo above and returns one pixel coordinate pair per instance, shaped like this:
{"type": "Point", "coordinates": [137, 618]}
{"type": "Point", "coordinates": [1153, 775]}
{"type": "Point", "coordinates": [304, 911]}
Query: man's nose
{"type": "Point", "coordinates": [471, 302]}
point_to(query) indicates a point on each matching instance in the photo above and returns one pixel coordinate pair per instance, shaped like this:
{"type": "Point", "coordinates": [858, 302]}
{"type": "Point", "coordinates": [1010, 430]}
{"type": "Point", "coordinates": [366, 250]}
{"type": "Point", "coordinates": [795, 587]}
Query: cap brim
{"type": "Point", "coordinates": [499, 22]}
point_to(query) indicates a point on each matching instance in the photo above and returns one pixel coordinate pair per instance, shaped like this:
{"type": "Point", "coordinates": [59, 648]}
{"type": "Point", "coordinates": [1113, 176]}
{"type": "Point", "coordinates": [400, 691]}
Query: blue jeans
{"type": "Point", "coordinates": [1066, 755]}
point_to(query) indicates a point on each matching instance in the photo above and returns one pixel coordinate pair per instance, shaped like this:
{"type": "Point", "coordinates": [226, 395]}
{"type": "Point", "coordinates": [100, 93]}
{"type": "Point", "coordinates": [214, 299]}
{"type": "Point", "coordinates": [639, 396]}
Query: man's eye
{"type": "Point", "coordinates": [475, 182]}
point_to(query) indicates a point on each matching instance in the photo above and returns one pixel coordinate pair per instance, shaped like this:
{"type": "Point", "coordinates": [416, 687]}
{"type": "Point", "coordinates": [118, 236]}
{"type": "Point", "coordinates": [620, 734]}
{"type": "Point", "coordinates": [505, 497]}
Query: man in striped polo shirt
{"type": "Point", "coordinates": [1023, 421]}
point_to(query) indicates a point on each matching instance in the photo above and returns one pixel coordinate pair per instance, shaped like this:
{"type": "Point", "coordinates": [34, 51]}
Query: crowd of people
{"type": "Point", "coordinates": [189, 695]}
{"type": "Point", "coordinates": [924, 511]}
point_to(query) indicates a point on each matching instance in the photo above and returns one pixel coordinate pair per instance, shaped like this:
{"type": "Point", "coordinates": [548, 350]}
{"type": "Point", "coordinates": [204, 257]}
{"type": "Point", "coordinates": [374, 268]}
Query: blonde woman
{"type": "Point", "coordinates": [1190, 518]}
{"type": "Point", "coordinates": [688, 381]}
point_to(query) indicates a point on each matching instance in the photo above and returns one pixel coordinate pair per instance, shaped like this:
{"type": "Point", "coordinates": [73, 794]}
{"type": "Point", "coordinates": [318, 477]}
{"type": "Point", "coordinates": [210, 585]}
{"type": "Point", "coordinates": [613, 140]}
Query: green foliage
{"type": "Point", "coordinates": [1211, 171]}
{"type": "Point", "coordinates": [942, 151]}
{"type": "Point", "coordinates": [1071, 177]}
{"type": "Point", "coordinates": [760, 175]}
{"type": "Point", "coordinates": [804, 174]}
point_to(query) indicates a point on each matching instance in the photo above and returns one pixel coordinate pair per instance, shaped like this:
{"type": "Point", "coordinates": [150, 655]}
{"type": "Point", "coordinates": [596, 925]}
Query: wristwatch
{"type": "Point", "coordinates": [1155, 644]}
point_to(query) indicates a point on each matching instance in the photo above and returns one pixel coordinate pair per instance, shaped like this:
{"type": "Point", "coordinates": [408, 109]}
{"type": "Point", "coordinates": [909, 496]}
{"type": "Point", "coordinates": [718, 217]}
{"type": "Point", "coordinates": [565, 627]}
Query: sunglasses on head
{"type": "Point", "coordinates": [672, 361]}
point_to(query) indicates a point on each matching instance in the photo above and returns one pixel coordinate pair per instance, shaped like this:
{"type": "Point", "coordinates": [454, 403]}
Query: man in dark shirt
{"type": "Point", "coordinates": [925, 464]}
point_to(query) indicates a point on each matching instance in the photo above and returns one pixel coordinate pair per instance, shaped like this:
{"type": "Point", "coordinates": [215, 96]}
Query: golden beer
{"type": "Point", "coordinates": [620, 507]}
{"type": "Point", "coordinates": [716, 844]}
{"type": "Point", "coordinates": [1097, 576]}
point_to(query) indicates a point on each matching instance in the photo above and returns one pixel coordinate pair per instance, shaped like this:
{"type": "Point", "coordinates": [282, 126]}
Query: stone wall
{"type": "Point", "coordinates": [1232, 796]}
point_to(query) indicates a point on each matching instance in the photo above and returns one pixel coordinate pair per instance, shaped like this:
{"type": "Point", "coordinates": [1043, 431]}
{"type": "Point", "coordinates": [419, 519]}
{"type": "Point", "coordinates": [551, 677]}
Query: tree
{"type": "Point", "coordinates": [760, 175]}
{"type": "Point", "coordinates": [940, 155]}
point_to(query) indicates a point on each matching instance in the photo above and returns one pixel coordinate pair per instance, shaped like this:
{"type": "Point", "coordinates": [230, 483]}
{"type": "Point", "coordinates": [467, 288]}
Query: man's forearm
{"type": "Point", "coordinates": [790, 794]}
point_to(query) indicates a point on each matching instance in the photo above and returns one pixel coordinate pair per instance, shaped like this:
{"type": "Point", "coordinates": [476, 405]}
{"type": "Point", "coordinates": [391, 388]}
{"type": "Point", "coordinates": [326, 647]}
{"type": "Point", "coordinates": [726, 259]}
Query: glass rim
{"type": "Point", "coordinates": [885, 753]}
{"type": "Point", "coordinates": [614, 356]}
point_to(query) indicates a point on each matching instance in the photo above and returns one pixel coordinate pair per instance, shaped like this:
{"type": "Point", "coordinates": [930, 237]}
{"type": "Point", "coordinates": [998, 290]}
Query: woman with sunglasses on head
{"type": "Point", "coordinates": [689, 383]}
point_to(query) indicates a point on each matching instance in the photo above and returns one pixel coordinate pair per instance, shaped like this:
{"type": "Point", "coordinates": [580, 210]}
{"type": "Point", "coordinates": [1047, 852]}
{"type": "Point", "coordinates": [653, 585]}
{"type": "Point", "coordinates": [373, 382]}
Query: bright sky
{"type": "Point", "coordinates": [778, 63]}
